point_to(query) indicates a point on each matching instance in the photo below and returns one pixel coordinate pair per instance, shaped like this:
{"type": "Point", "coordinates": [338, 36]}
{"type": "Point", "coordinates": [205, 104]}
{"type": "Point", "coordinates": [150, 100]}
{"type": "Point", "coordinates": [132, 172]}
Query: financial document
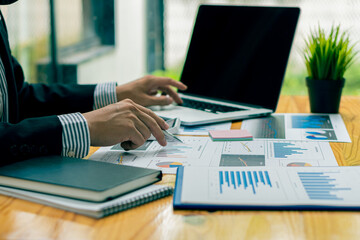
{"type": "Point", "coordinates": [202, 151]}
{"type": "Point", "coordinates": [193, 151]}
{"type": "Point", "coordinates": [266, 186]}
{"type": "Point", "coordinates": [203, 129]}
{"type": "Point", "coordinates": [308, 127]}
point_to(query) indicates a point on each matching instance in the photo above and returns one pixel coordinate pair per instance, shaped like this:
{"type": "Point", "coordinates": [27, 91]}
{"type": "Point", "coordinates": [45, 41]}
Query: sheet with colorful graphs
{"type": "Point", "coordinates": [308, 127]}
{"type": "Point", "coordinates": [203, 129]}
{"type": "Point", "coordinates": [243, 187]}
{"type": "Point", "coordinates": [202, 151]}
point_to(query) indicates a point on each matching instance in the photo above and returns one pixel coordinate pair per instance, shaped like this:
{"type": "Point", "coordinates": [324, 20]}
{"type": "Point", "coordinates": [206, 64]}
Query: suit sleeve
{"type": "Point", "coordinates": [31, 137]}
{"type": "Point", "coordinates": [37, 100]}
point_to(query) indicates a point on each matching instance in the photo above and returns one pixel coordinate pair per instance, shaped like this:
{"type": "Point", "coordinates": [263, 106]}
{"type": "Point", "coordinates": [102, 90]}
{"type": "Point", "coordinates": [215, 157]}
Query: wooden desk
{"type": "Point", "coordinates": [157, 220]}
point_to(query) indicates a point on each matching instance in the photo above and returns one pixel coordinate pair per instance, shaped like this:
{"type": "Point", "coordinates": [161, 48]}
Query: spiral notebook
{"type": "Point", "coordinates": [93, 209]}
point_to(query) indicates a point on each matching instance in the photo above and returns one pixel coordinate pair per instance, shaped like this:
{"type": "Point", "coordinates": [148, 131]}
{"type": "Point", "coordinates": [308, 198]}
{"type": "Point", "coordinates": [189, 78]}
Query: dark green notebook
{"type": "Point", "coordinates": [76, 178]}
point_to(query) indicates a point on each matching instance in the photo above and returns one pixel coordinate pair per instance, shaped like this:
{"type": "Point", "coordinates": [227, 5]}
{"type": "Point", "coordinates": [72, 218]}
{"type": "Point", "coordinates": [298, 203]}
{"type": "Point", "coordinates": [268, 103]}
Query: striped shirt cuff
{"type": "Point", "coordinates": [104, 94]}
{"type": "Point", "coordinates": [75, 135]}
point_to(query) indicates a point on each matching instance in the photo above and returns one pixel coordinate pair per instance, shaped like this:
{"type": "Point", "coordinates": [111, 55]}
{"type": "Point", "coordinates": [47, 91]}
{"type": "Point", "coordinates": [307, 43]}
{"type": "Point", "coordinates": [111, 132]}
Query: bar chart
{"type": "Point", "coordinates": [320, 135]}
{"type": "Point", "coordinates": [191, 147]}
{"type": "Point", "coordinates": [323, 185]}
{"type": "Point", "coordinates": [243, 180]}
{"type": "Point", "coordinates": [284, 150]}
{"type": "Point", "coordinates": [311, 121]}
{"type": "Point", "coordinates": [295, 150]}
{"type": "Point", "coordinates": [291, 188]}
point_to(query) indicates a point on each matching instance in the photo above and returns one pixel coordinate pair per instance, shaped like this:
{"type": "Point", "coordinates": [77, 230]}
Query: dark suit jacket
{"type": "Point", "coordinates": [33, 128]}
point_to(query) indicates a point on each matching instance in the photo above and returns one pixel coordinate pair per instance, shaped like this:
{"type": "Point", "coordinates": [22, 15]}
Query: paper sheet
{"type": "Point", "coordinates": [202, 151]}
{"type": "Point", "coordinates": [203, 129]}
{"type": "Point", "coordinates": [272, 186]}
{"type": "Point", "coordinates": [309, 127]}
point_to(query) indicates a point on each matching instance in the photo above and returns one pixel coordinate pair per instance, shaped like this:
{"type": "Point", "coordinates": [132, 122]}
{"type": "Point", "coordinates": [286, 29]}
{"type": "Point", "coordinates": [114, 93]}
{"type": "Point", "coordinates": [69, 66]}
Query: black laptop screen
{"type": "Point", "coordinates": [240, 53]}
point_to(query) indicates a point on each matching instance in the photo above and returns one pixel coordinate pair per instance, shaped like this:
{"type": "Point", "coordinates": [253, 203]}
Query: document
{"type": "Point", "coordinates": [203, 129]}
{"type": "Point", "coordinates": [309, 127]}
{"type": "Point", "coordinates": [267, 188]}
{"type": "Point", "coordinates": [274, 153]}
{"type": "Point", "coordinates": [193, 150]}
{"type": "Point", "coordinates": [202, 151]}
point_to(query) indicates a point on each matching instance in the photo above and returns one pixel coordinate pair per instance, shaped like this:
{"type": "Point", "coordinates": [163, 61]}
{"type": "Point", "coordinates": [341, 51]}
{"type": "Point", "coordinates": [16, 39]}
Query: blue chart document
{"type": "Point", "coordinates": [305, 127]}
{"type": "Point", "coordinates": [267, 188]}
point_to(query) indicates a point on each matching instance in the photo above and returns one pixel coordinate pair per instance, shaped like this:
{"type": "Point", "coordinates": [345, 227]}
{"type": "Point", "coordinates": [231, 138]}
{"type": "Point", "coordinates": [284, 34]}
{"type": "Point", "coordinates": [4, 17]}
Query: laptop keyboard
{"type": "Point", "coordinates": [209, 107]}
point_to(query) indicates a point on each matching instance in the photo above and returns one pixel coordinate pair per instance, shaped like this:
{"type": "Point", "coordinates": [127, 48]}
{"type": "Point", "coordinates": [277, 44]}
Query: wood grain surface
{"type": "Point", "coordinates": [157, 220]}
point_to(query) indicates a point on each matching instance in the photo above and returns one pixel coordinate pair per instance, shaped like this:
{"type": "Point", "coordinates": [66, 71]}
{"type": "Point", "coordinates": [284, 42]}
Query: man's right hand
{"type": "Point", "coordinates": [124, 122]}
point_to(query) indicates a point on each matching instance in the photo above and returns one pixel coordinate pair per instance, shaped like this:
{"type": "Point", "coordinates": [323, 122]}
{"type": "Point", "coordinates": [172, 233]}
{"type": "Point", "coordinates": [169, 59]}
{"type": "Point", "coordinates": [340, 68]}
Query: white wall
{"type": "Point", "coordinates": [128, 61]}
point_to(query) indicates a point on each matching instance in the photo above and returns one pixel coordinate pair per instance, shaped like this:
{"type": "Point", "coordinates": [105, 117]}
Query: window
{"type": "Point", "coordinates": [51, 38]}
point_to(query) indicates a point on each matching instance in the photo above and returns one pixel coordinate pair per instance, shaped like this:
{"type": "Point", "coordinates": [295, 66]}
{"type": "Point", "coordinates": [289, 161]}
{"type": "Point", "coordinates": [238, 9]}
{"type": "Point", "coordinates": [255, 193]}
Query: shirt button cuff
{"type": "Point", "coordinates": [71, 154]}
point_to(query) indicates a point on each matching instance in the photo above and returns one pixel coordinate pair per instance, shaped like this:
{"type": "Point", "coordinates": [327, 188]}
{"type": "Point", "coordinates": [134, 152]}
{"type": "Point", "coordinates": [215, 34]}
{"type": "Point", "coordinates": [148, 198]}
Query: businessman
{"type": "Point", "coordinates": [58, 119]}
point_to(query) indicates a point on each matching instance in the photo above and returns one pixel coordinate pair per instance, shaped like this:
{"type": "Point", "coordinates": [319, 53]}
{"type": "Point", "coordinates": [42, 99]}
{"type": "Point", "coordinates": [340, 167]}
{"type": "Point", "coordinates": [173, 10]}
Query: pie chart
{"type": "Point", "coordinates": [168, 164]}
{"type": "Point", "coordinates": [299, 164]}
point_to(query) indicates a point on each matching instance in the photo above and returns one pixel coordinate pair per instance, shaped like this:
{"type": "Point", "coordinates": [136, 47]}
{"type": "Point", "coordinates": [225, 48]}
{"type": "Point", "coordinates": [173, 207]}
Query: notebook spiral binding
{"type": "Point", "coordinates": [137, 201]}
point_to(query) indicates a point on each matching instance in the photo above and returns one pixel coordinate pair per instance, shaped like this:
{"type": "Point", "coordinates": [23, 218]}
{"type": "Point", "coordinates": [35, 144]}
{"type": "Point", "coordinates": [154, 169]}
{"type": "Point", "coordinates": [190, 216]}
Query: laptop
{"type": "Point", "coordinates": [235, 63]}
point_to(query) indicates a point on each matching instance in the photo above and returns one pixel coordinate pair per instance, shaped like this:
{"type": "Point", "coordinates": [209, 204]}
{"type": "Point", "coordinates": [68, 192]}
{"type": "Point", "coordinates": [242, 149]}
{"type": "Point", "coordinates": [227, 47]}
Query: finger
{"type": "Point", "coordinates": [159, 121]}
{"type": "Point", "coordinates": [141, 127]}
{"type": "Point", "coordinates": [165, 81]}
{"type": "Point", "coordinates": [153, 122]}
{"type": "Point", "coordinates": [172, 94]}
{"type": "Point", "coordinates": [159, 100]}
{"type": "Point", "coordinates": [135, 140]}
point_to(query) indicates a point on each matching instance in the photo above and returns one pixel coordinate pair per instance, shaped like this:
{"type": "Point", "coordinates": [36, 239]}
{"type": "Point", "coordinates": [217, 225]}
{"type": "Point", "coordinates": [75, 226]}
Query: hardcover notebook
{"type": "Point", "coordinates": [93, 209]}
{"type": "Point", "coordinates": [298, 188]}
{"type": "Point", "coordinates": [76, 178]}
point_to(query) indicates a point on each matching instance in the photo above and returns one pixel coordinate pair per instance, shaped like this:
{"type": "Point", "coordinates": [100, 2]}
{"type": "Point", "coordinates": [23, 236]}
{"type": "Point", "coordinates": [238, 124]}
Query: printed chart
{"type": "Point", "coordinates": [193, 151]}
{"type": "Point", "coordinates": [244, 185]}
{"type": "Point", "coordinates": [169, 164]}
{"type": "Point", "coordinates": [320, 135]}
{"type": "Point", "coordinates": [322, 185]}
{"type": "Point", "coordinates": [269, 127]}
{"type": "Point", "coordinates": [308, 127]}
{"type": "Point", "coordinates": [311, 121]}
{"type": "Point", "coordinates": [266, 186]}
{"type": "Point", "coordinates": [293, 150]}
{"type": "Point", "coordinates": [244, 179]}
{"type": "Point", "coordinates": [276, 153]}
{"type": "Point", "coordinates": [203, 129]}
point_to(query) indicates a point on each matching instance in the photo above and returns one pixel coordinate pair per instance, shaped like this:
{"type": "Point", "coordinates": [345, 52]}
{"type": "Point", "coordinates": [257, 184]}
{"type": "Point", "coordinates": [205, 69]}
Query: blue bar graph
{"type": "Point", "coordinates": [221, 180]}
{"type": "Point", "coordinates": [244, 179]}
{"type": "Point", "coordinates": [238, 178]}
{"type": "Point", "coordinates": [321, 186]}
{"type": "Point", "coordinates": [268, 178]}
{"type": "Point", "coordinates": [227, 178]}
{"type": "Point", "coordinates": [318, 121]}
{"type": "Point", "coordinates": [241, 180]}
{"type": "Point", "coordinates": [256, 178]}
{"type": "Point", "coordinates": [284, 150]}
{"type": "Point", "coordinates": [233, 179]}
{"type": "Point", "coordinates": [262, 177]}
{"type": "Point", "coordinates": [251, 181]}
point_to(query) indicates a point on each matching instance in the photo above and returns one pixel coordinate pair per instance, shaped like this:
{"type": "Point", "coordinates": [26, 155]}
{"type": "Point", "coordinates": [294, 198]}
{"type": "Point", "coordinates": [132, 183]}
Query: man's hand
{"type": "Point", "coordinates": [143, 91]}
{"type": "Point", "coordinates": [124, 122]}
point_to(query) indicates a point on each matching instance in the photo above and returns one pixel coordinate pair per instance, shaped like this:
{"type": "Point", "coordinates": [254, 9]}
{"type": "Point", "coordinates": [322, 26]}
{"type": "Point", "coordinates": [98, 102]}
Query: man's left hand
{"type": "Point", "coordinates": [144, 91]}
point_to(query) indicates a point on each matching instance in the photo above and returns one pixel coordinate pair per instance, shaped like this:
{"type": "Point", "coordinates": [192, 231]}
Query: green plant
{"type": "Point", "coordinates": [327, 57]}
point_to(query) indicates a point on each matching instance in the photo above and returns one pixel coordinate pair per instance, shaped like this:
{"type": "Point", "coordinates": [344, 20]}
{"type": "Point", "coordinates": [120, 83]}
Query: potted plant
{"type": "Point", "coordinates": [327, 57]}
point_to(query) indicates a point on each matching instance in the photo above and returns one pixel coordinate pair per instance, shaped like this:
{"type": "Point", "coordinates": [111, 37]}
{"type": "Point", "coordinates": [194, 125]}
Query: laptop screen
{"type": "Point", "coordinates": [240, 53]}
